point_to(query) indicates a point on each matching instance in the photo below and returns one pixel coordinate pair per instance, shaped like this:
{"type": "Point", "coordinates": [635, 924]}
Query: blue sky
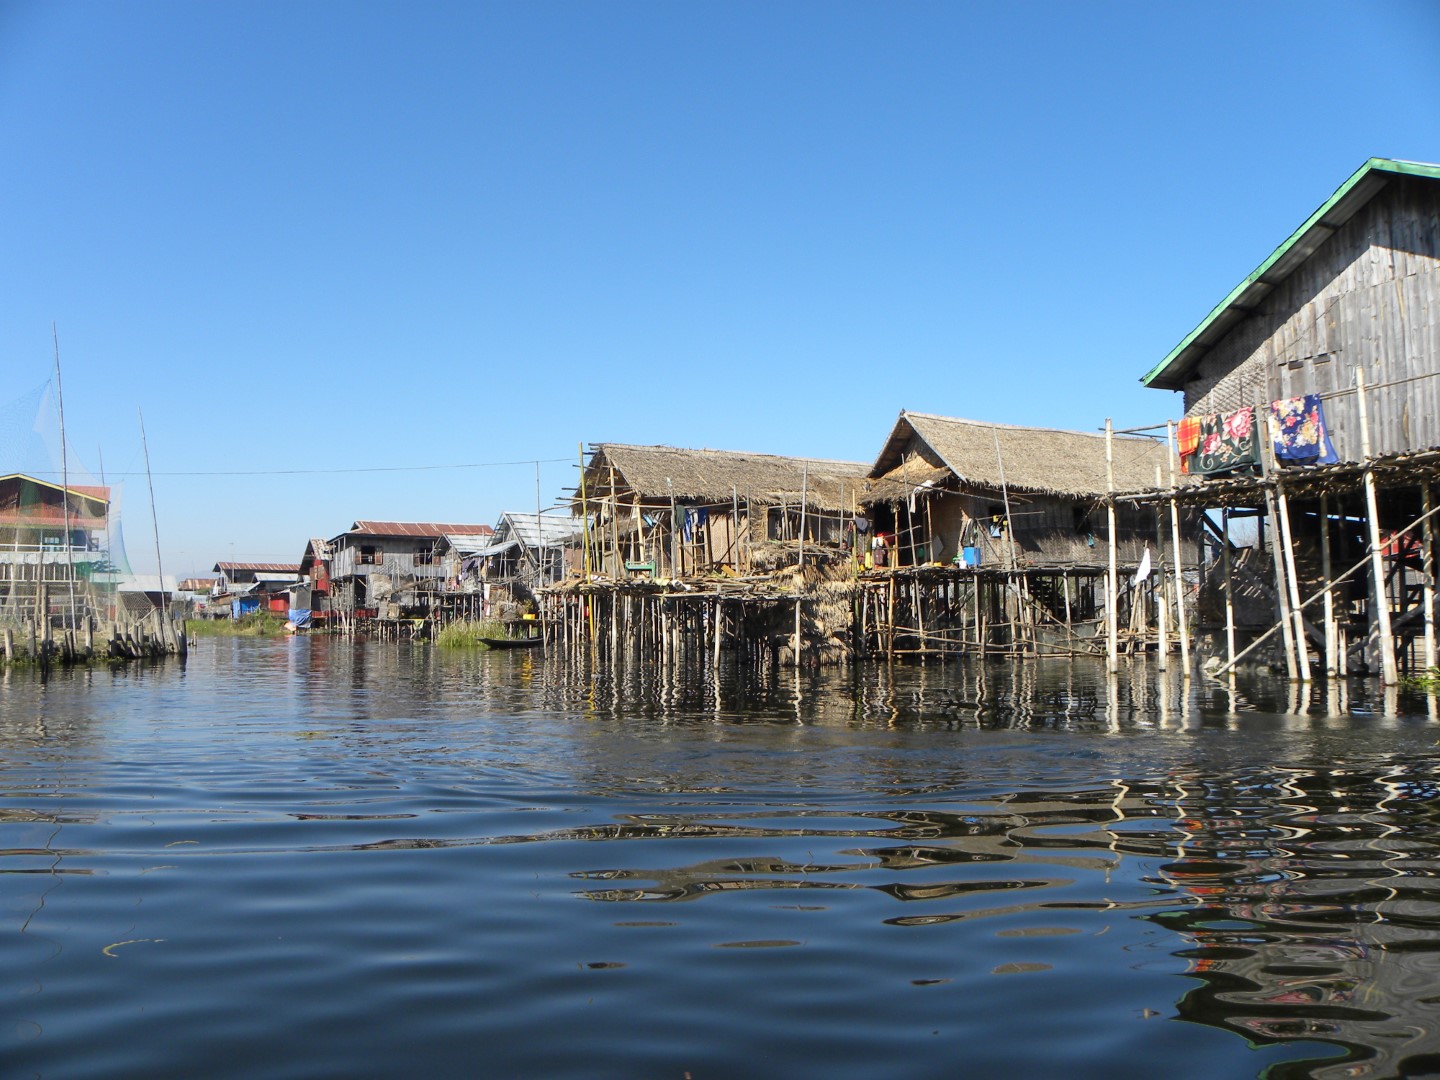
{"type": "Point", "coordinates": [363, 236]}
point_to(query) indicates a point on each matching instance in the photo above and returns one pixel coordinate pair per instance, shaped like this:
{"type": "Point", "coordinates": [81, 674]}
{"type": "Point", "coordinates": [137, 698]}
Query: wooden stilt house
{"type": "Point", "coordinates": [1330, 351]}
{"type": "Point", "coordinates": [969, 493]}
{"type": "Point", "coordinates": [667, 512]}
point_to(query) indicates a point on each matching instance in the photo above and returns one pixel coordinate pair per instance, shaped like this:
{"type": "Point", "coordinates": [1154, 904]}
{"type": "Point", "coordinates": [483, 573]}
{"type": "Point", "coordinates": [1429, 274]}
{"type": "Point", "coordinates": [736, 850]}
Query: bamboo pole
{"type": "Point", "coordinates": [1162, 609]}
{"type": "Point", "coordinates": [1364, 561]}
{"type": "Point", "coordinates": [1427, 588]}
{"type": "Point", "coordinates": [1381, 615]}
{"type": "Point", "coordinates": [1229, 564]}
{"type": "Point", "coordinates": [1111, 586]}
{"type": "Point", "coordinates": [1333, 665]}
{"type": "Point", "coordinates": [1302, 649]}
{"type": "Point", "coordinates": [1277, 557]}
{"type": "Point", "coordinates": [1180, 619]}
{"type": "Point", "coordinates": [584, 516]}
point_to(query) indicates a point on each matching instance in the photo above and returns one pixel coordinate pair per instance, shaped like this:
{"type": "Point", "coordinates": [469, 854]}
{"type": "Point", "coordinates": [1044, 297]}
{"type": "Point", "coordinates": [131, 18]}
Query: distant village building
{"type": "Point", "coordinates": [525, 553]}
{"type": "Point", "coordinates": [380, 569]}
{"type": "Point", "coordinates": [244, 588]}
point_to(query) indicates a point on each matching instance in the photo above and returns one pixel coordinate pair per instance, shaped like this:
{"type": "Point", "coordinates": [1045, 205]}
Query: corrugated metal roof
{"type": "Point", "coordinates": [257, 568]}
{"type": "Point", "coordinates": [1362, 186]}
{"type": "Point", "coordinates": [426, 529]}
{"type": "Point", "coordinates": [538, 530]}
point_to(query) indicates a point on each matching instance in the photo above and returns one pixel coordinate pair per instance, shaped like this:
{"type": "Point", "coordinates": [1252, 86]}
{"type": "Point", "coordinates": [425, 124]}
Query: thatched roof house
{"type": "Point", "coordinates": [656, 473]}
{"type": "Point", "coordinates": [1042, 461]}
{"type": "Point", "coordinates": [997, 494]}
{"type": "Point", "coordinates": [671, 511]}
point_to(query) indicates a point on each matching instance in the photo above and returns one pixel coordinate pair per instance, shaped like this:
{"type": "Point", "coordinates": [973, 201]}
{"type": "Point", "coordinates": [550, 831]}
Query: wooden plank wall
{"type": "Point", "coordinates": [1370, 295]}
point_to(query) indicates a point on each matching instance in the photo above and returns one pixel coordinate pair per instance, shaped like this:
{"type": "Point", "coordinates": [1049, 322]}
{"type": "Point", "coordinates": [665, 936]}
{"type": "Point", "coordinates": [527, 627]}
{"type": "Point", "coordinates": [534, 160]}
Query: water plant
{"type": "Point", "coordinates": [468, 633]}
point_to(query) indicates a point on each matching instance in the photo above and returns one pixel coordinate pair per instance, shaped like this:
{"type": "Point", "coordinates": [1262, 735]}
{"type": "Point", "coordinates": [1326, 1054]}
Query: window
{"type": "Point", "coordinates": [424, 556]}
{"type": "Point", "coordinates": [368, 555]}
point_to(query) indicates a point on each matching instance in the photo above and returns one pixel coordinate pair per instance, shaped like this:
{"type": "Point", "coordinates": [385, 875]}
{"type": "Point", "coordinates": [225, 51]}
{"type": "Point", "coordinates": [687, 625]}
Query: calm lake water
{"type": "Point", "coordinates": [302, 858]}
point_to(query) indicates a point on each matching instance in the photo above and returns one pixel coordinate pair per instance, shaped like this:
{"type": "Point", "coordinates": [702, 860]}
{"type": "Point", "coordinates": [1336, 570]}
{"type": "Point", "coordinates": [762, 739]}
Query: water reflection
{"type": "Point", "coordinates": [1253, 863]}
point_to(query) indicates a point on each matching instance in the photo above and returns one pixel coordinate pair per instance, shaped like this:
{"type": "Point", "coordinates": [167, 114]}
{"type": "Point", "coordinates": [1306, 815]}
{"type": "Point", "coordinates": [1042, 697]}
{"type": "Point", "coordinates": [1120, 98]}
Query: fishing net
{"type": "Point", "coordinates": [62, 552]}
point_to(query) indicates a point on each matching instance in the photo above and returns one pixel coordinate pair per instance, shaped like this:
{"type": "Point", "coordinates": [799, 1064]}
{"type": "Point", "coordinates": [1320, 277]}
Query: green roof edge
{"type": "Point", "coordinates": [1374, 164]}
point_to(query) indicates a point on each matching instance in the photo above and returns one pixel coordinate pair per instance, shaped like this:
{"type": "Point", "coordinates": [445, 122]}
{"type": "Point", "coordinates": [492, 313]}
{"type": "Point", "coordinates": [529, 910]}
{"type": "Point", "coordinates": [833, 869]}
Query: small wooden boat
{"type": "Point", "coordinates": [512, 642]}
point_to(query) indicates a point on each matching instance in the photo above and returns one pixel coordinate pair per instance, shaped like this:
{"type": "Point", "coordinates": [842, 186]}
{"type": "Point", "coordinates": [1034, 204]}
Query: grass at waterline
{"type": "Point", "coordinates": [256, 624]}
{"type": "Point", "coordinates": [1426, 683]}
{"type": "Point", "coordinates": [466, 633]}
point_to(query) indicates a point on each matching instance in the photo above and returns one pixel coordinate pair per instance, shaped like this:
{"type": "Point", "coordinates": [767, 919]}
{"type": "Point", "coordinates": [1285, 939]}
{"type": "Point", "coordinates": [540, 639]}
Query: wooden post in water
{"type": "Point", "coordinates": [1381, 614]}
{"type": "Point", "coordinates": [1112, 588]}
{"type": "Point", "coordinates": [1302, 649]}
{"type": "Point", "coordinates": [1228, 562]}
{"type": "Point", "coordinates": [1333, 662]}
{"type": "Point", "coordinates": [1427, 588]}
{"type": "Point", "coordinates": [1180, 620]}
{"type": "Point", "coordinates": [1162, 609]}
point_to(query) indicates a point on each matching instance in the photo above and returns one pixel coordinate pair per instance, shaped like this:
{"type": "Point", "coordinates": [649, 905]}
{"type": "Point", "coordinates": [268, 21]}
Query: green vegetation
{"type": "Point", "coordinates": [256, 624]}
{"type": "Point", "coordinates": [466, 633]}
{"type": "Point", "coordinates": [1426, 683]}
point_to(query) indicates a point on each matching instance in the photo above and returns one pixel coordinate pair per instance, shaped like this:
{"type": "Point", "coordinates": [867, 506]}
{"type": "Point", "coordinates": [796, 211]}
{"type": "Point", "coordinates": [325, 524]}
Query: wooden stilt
{"type": "Point", "coordinates": [1427, 587]}
{"type": "Point", "coordinates": [1229, 564]}
{"type": "Point", "coordinates": [1112, 633]}
{"type": "Point", "coordinates": [1302, 649]}
{"type": "Point", "coordinates": [1381, 600]}
{"type": "Point", "coordinates": [1180, 620]}
{"type": "Point", "coordinates": [1332, 660]}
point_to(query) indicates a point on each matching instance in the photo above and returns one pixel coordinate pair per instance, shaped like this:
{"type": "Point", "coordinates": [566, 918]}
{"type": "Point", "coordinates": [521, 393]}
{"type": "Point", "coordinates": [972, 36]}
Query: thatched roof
{"type": "Point", "coordinates": [1042, 461]}
{"type": "Point", "coordinates": [654, 473]}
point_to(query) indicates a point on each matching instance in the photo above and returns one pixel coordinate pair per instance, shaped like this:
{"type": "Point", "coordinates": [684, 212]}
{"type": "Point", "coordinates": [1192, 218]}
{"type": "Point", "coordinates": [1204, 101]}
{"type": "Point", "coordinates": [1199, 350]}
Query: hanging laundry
{"type": "Point", "coordinates": [1227, 442]}
{"type": "Point", "coordinates": [1297, 429]}
{"type": "Point", "coordinates": [694, 519]}
{"type": "Point", "coordinates": [1187, 440]}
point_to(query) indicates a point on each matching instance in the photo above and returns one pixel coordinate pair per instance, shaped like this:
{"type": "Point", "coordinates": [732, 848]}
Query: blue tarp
{"type": "Point", "coordinates": [300, 617]}
{"type": "Point", "coordinates": [244, 605]}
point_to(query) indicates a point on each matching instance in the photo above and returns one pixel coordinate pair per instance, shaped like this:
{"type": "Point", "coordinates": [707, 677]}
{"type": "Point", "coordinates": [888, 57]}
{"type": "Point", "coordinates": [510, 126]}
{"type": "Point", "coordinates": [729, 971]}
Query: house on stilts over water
{"type": "Point", "coordinates": [1311, 437]}
{"type": "Point", "coordinates": [689, 551]}
{"type": "Point", "coordinates": [995, 539]}
{"type": "Point", "coordinates": [961, 537]}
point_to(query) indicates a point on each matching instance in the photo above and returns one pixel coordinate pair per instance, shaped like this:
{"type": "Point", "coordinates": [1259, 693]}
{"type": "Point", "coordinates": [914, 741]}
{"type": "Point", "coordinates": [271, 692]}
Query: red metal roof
{"type": "Point", "coordinates": [259, 567]}
{"type": "Point", "coordinates": [427, 529]}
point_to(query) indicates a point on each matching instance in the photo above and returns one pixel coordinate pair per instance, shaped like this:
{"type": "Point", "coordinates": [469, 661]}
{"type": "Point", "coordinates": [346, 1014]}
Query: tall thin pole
{"type": "Point", "coordinates": [155, 524]}
{"type": "Point", "coordinates": [1112, 587]}
{"type": "Point", "coordinates": [804, 497]}
{"type": "Point", "coordinates": [1427, 588]}
{"type": "Point", "coordinates": [1389, 674]}
{"type": "Point", "coordinates": [64, 483]}
{"type": "Point", "coordinates": [1333, 665]}
{"type": "Point", "coordinates": [1175, 545]}
{"type": "Point", "coordinates": [584, 515]}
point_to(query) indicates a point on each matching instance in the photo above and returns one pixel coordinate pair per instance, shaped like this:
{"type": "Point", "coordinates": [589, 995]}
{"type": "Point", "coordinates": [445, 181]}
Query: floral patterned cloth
{"type": "Point", "coordinates": [1227, 442]}
{"type": "Point", "coordinates": [1297, 429]}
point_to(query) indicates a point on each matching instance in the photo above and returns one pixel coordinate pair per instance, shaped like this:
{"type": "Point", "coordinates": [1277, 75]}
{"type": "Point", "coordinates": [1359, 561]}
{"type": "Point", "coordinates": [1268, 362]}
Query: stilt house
{"type": "Point", "coordinates": [967, 493]}
{"type": "Point", "coordinates": [52, 544]}
{"type": "Point", "coordinates": [1336, 333]}
{"type": "Point", "coordinates": [665, 512]}
{"type": "Point", "coordinates": [394, 563]}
